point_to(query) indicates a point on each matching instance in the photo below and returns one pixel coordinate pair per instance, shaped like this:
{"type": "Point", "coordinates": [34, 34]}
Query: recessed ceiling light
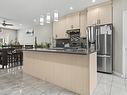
{"type": "Point", "coordinates": [71, 8]}
{"type": "Point", "coordinates": [93, 1]}
{"type": "Point", "coordinates": [35, 20]}
{"type": "Point", "coordinates": [20, 24]}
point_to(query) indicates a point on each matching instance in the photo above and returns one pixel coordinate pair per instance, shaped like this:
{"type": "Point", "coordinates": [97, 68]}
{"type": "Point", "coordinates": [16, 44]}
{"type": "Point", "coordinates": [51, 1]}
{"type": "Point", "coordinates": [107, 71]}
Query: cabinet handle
{"type": "Point", "coordinates": [98, 21]}
{"type": "Point", "coordinates": [72, 26]}
{"type": "Point", "coordinates": [56, 36]}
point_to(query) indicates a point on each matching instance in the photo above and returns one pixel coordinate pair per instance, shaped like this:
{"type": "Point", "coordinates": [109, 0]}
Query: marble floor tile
{"type": "Point", "coordinates": [118, 91]}
{"type": "Point", "coordinates": [14, 82]}
{"type": "Point", "coordinates": [118, 82]}
{"type": "Point", "coordinates": [102, 89]}
{"type": "Point", "coordinates": [111, 84]}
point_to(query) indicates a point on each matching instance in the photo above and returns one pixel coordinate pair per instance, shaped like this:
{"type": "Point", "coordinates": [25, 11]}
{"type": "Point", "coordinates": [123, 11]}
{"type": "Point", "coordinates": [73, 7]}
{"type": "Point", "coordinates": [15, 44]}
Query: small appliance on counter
{"type": "Point", "coordinates": [91, 33]}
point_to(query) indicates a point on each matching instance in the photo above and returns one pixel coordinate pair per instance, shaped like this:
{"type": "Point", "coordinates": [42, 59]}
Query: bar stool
{"type": "Point", "coordinates": [4, 58]}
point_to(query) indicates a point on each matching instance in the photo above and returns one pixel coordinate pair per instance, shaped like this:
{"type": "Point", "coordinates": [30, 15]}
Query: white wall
{"type": "Point", "coordinates": [125, 43]}
{"type": "Point", "coordinates": [118, 7]}
{"type": "Point", "coordinates": [43, 34]}
{"type": "Point", "coordinates": [23, 38]}
{"type": "Point", "coordinates": [8, 35]}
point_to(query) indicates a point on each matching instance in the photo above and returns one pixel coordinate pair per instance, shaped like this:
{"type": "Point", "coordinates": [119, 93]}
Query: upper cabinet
{"type": "Point", "coordinates": [59, 29]}
{"type": "Point", "coordinates": [83, 23]}
{"type": "Point", "coordinates": [65, 23]}
{"type": "Point", "coordinates": [72, 21]}
{"type": "Point", "coordinates": [63, 28]}
{"type": "Point", "coordinates": [92, 16]}
{"type": "Point", "coordinates": [101, 14]}
{"type": "Point", "coordinates": [105, 13]}
{"type": "Point", "coordinates": [56, 30]}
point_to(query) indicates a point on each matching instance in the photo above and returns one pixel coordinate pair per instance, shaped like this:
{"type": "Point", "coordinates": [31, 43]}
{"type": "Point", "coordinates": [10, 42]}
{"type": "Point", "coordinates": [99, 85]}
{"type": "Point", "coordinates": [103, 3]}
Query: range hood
{"type": "Point", "coordinates": [73, 31]}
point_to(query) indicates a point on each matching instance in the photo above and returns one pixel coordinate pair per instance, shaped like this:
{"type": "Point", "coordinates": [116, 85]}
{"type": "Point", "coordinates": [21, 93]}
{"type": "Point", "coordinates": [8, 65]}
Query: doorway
{"type": "Point", "coordinates": [125, 44]}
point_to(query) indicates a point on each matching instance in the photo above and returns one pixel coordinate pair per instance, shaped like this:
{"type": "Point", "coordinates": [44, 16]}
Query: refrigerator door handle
{"type": "Point", "coordinates": [104, 56]}
{"type": "Point", "coordinates": [98, 38]}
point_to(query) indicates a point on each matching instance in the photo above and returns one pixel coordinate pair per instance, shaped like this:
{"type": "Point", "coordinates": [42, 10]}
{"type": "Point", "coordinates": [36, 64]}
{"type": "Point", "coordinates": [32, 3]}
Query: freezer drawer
{"type": "Point", "coordinates": [104, 63]}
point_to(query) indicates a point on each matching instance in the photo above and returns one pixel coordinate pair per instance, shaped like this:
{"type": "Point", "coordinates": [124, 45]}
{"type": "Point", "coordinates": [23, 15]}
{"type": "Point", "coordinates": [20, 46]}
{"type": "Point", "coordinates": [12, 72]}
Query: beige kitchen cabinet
{"type": "Point", "coordinates": [72, 21]}
{"type": "Point", "coordinates": [65, 23]}
{"type": "Point", "coordinates": [105, 14]}
{"type": "Point", "coordinates": [75, 72]}
{"type": "Point", "coordinates": [63, 27]}
{"type": "Point", "coordinates": [59, 29]}
{"type": "Point", "coordinates": [92, 16]}
{"type": "Point", "coordinates": [56, 29]}
{"type": "Point", "coordinates": [83, 23]}
{"type": "Point", "coordinates": [100, 14]}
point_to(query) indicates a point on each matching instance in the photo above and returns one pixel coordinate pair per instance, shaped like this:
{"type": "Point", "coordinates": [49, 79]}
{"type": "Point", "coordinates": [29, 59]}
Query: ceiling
{"type": "Point", "coordinates": [24, 11]}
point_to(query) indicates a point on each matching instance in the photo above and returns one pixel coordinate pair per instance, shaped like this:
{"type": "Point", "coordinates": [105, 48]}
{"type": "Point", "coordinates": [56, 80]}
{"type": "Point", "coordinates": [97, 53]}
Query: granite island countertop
{"type": "Point", "coordinates": [66, 51]}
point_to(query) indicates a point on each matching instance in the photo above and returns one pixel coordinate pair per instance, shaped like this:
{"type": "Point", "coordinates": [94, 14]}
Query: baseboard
{"type": "Point", "coordinates": [118, 74]}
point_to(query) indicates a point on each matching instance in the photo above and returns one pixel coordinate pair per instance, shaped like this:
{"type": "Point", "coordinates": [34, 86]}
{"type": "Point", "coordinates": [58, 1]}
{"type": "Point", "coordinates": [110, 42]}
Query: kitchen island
{"type": "Point", "coordinates": [73, 70]}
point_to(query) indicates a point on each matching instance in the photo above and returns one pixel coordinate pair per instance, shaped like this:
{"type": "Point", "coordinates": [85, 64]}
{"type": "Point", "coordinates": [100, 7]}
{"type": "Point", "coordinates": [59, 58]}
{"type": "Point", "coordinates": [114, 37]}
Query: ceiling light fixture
{"type": "Point", "coordinates": [93, 1]}
{"type": "Point", "coordinates": [71, 8]}
{"type": "Point", "coordinates": [48, 18]}
{"type": "Point", "coordinates": [35, 20]}
{"type": "Point", "coordinates": [41, 20]}
{"type": "Point", "coordinates": [56, 16]}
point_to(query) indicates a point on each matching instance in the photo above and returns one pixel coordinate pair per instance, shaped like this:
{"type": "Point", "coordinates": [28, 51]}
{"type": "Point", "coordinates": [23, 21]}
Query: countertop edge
{"type": "Point", "coordinates": [59, 51]}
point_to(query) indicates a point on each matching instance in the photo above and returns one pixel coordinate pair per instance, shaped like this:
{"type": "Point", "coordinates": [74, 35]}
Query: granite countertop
{"type": "Point", "coordinates": [66, 51]}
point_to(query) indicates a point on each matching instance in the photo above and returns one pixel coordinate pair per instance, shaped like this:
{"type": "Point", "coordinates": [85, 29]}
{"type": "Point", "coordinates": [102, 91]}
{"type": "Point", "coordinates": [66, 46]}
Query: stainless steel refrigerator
{"type": "Point", "coordinates": [104, 48]}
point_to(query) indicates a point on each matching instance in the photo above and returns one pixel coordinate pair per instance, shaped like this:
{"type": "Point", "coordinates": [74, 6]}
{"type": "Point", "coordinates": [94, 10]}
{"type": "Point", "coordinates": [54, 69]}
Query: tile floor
{"type": "Point", "coordinates": [15, 82]}
{"type": "Point", "coordinates": [110, 85]}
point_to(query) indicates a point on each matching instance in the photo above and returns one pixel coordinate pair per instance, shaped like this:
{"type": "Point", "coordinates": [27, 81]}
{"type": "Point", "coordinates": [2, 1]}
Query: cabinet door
{"type": "Point", "coordinates": [62, 27]}
{"type": "Point", "coordinates": [56, 29]}
{"type": "Point", "coordinates": [101, 14]}
{"type": "Point", "coordinates": [83, 23]}
{"type": "Point", "coordinates": [75, 21]}
{"type": "Point", "coordinates": [92, 16]}
{"type": "Point", "coordinates": [72, 21]}
{"type": "Point", "coordinates": [105, 14]}
{"type": "Point", "coordinates": [59, 29]}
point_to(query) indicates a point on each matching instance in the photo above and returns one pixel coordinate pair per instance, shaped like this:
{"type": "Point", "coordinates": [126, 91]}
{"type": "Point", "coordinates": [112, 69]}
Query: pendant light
{"type": "Point", "coordinates": [56, 16]}
{"type": "Point", "coordinates": [41, 20]}
{"type": "Point", "coordinates": [48, 18]}
{"type": "Point", "coordinates": [93, 1]}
